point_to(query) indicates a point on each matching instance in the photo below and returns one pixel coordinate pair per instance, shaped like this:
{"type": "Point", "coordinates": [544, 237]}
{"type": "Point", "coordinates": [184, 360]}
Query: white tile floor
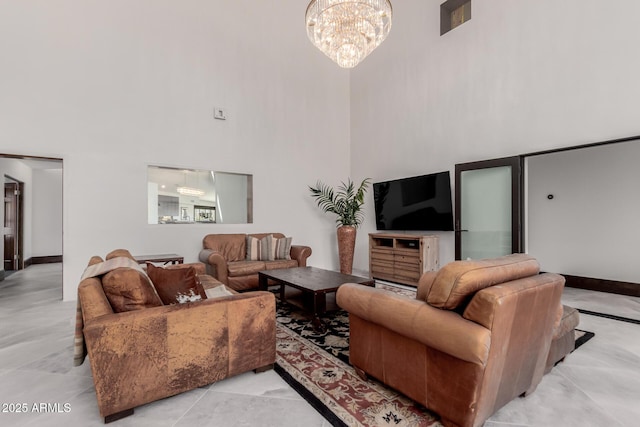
{"type": "Point", "coordinates": [598, 385]}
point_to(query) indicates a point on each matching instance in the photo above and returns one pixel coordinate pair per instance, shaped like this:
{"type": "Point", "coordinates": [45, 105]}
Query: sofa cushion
{"type": "Point", "coordinates": [282, 248]}
{"type": "Point", "coordinates": [208, 281]}
{"type": "Point", "coordinates": [128, 289]}
{"type": "Point", "coordinates": [570, 318]}
{"type": "Point", "coordinates": [232, 247]}
{"type": "Point", "coordinates": [458, 281]}
{"type": "Point", "coordinates": [244, 268]}
{"type": "Point", "coordinates": [176, 285]}
{"type": "Point", "coordinates": [260, 249]}
{"type": "Point", "coordinates": [280, 263]}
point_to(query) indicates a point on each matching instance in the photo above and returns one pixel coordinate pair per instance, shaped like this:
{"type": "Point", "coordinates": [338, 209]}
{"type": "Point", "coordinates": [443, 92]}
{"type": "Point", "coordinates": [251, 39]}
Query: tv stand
{"type": "Point", "coordinates": [402, 257]}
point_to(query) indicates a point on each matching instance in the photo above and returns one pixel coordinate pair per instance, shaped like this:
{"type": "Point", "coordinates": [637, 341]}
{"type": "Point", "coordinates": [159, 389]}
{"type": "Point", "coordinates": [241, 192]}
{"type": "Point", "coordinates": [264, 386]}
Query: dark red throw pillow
{"type": "Point", "coordinates": [176, 285]}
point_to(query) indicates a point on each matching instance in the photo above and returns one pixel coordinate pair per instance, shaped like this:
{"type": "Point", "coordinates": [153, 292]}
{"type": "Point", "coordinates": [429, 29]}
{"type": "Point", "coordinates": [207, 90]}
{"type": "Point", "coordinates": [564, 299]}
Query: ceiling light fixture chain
{"type": "Point", "coordinates": [347, 31]}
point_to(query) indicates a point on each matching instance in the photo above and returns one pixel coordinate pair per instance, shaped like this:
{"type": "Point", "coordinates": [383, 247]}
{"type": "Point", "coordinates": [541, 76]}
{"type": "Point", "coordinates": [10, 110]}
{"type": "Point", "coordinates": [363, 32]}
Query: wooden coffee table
{"type": "Point", "coordinates": [315, 284]}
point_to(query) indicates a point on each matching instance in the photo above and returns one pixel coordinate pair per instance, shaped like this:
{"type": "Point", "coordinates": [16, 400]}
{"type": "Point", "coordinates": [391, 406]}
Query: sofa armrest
{"type": "Point", "coordinates": [300, 253]}
{"type": "Point", "coordinates": [144, 355]}
{"type": "Point", "coordinates": [216, 264]}
{"type": "Point", "coordinates": [92, 299]}
{"type": "Point", "coordinates": [442, 330]}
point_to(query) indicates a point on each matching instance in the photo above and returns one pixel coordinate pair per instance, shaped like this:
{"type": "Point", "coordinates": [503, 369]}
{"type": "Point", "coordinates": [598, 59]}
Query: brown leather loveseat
{"type": "Point", "coordinates": [155, 351]}
{"type": "Point", "coordinates": [476, 336]}
{"type": "Point", "coordinates": [225, 256]}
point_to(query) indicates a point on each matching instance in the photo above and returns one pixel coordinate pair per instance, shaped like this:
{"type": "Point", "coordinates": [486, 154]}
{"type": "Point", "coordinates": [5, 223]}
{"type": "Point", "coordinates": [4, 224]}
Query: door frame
{"type": "Point", "coordinates": [27, 262]}
{"type": "Point", "coordinates": [517, 199]}
{"type": "Point", "coordinates": [18, 263]}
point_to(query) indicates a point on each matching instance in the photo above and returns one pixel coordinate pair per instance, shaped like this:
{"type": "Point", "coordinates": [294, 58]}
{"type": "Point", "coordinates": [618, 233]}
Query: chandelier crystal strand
{"type": "Point", "coordinates": [348, 30]}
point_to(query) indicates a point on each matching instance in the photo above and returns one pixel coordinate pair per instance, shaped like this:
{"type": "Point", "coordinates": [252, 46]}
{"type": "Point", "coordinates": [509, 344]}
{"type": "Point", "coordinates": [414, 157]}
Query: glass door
{"type": "Point", "coordinates": [488, 213]}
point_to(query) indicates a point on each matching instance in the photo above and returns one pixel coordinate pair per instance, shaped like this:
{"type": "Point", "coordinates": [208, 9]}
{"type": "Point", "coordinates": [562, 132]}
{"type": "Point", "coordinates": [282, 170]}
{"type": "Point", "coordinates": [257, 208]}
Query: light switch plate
{"type": "Point", "coordinates": [219, 113]}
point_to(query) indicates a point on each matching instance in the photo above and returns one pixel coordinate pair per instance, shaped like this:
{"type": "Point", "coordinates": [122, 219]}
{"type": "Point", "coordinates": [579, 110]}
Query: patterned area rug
{"type": "Point", "coordinates": [317, 366]}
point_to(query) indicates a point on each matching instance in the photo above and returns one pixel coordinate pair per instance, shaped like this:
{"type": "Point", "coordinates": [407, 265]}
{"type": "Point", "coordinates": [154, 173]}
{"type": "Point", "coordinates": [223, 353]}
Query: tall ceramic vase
{"type": "Point", "coordinates": [346, 247]}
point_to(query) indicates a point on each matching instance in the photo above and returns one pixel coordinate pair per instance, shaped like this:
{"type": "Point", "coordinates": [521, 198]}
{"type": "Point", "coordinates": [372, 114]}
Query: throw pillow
{"type": "Point", "coordinates": [260, 249]}
{"type": "Point", "coordinates": [175, 286]}
{"type": "Point", "coordinates": [282, 248]}
{"type": "Point", "coordinates": [128, 289]}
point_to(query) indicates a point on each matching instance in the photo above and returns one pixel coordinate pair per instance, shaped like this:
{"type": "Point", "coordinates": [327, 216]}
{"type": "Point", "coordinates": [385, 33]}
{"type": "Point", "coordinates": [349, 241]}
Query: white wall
{"type": "Point", "coordinates": [47, 212]}
{"type": "Point", "coordinates": [152, 203]}
{"type": "Point", "coordinates": [519, 77]}
{"type": "Point", "coordinates": [591, 226]}
{"type": "Point", "coordinates": [111, 87]}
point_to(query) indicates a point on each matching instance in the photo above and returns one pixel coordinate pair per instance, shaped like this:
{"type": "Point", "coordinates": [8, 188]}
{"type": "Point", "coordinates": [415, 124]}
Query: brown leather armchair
{"type": "Point", "coordinates": [476, 336]}
{"type": "Point", "coordinates": [225, 258]}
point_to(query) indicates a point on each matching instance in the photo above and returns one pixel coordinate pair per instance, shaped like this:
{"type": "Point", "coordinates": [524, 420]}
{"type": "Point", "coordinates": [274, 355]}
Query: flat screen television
{"type": "Point", "coordinates": [415, 203]}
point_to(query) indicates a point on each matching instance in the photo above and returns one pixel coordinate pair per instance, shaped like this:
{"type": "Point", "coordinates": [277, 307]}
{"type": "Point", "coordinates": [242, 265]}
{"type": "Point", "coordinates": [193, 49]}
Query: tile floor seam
{"type": "Point", "coordinates": [191, 407]}
{"type": "Point", "coordinates": [254, 395]}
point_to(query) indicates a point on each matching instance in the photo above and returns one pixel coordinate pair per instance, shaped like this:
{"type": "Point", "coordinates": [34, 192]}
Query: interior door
{"type": "Point", "coordinates": [13, 231]}
{"type": "Point", "coordinates": [10, 226]}
{"type": "Point", "coordinates": [488, 212]}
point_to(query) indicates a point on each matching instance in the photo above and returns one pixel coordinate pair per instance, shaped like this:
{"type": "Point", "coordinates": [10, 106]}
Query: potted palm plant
{"type": "Point", "coordinates": [346, 203]}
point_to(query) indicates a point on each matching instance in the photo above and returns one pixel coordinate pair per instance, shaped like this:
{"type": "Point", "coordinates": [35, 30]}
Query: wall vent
{"type": "Point", "coordinates": [454, 13]}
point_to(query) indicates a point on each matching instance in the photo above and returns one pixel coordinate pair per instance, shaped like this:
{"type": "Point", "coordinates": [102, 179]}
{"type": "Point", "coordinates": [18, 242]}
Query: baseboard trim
{"type": "Point", "coordinates": [43, 260]}
{"type": "Point", "coordinates": [603, 285]}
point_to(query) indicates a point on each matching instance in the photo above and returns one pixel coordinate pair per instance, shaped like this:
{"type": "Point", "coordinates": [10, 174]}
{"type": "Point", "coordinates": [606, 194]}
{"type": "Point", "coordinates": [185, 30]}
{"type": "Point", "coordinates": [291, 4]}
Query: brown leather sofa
{"type": "Point", "coordinates": [476, 336]}
{"type": "Point", "coordinates": [151, 353]}
{"type": "Point", "coordinates": [225, 256]}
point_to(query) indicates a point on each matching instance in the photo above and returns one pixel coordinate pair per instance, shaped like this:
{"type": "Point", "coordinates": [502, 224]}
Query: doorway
{"type": "Point", "coordinates": [602, 202]}
{"type": "Point", "coordinates": [13, 224]}
{"type": "Point", "coordinates": [32, 218]}
{"type": "Point", "coordinates": [488, 211]}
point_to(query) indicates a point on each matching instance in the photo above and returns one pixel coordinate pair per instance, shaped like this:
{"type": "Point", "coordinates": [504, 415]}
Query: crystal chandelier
{"type": "Point", "coordinates": [348, 30]}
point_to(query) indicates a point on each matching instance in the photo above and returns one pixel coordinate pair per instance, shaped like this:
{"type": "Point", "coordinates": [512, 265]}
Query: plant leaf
{"type": "Point", "coordinates": [346, 202]}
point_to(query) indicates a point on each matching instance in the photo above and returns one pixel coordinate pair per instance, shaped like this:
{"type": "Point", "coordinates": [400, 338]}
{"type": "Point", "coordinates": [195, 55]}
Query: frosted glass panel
{"type": "Point", "coordinates": [485, 215]}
